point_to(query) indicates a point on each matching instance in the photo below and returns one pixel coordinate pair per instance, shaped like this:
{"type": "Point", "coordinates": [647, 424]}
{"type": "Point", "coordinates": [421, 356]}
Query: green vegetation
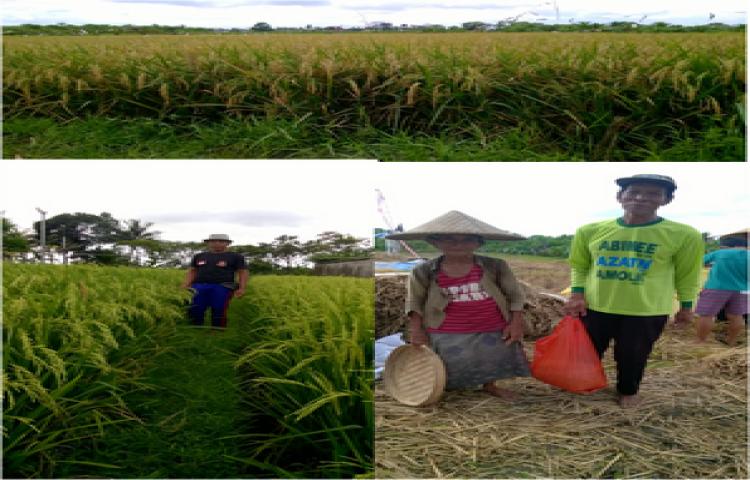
{"type": "Point", "coordinates": [308, 376]}
{"type": "Point", "coordinates": [105, 240]}
{"type": "Point", "coordinates": [148, 138]}
{"type": "Point", "coordinates": [104, 29]}
{"type": "Point", "coordinates": [14, 240]}
{"type": "Point", "coordinates": [535, 247]}
{"type": "Point", "coordinates": [104, 378]}
{"type": "Point", "coordinates": [394, 96]}
{"type": "Point", "coordinates": [72, 341]}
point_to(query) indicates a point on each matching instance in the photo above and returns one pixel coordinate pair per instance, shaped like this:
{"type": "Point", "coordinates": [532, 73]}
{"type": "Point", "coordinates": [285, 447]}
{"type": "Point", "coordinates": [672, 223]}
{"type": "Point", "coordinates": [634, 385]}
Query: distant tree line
{"type": "Point", "coordinates": [103, 239]}
{"type": "Point", "coordinates": [538, 245]}
{"type": "Point", "coordinates": [262, 27]}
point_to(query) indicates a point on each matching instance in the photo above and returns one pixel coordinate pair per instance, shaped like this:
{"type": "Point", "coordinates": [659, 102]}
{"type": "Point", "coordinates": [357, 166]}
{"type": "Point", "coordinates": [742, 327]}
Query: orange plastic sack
{"type": "Point", "coordinates": [566, 358]}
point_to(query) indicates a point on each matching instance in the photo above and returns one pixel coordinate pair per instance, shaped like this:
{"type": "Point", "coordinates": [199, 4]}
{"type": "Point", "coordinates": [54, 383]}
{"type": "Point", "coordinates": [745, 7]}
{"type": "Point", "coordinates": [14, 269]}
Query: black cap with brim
{"type": "Point", "coordinates": [735, 239]}
{"type": "Point", "coordinates": [663, 180]}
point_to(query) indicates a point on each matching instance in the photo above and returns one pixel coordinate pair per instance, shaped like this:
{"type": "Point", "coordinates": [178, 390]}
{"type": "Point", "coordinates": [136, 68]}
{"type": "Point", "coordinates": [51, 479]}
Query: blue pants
{"type": "Point", "coordinates": [211, 295]}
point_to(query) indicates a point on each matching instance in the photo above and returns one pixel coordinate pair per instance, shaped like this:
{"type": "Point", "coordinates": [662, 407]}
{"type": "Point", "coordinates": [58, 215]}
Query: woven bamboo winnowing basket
{"type": "Point", "coordinates": [414, 375]}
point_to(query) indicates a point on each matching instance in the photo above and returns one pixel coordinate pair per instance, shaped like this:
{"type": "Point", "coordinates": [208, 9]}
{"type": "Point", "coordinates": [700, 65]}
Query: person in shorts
{"type": "Point", "coordinates": [212, 278]}
{"type": "Point", "coordinates": [726, 288]}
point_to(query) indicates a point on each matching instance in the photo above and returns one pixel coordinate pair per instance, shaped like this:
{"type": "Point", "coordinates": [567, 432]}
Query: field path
{"type": "Point", "coordinates": [191, 406]}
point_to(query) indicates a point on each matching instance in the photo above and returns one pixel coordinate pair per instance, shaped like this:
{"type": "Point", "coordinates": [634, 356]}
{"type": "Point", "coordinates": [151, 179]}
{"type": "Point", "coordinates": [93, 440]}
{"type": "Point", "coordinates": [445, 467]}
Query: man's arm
{"type": "Point", "coordinates": [708, 259]}
{"type": "Point", "coordinates": [243, 275]}
{"type": "Point", "coordinates": [688, 262]}
{"type": "Point", "coordinates": [580, 264]}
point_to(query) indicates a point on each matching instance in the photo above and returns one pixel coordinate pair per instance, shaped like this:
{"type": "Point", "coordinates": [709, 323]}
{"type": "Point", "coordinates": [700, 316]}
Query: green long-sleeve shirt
{"type": "Point", "coordinates": [635, 269]}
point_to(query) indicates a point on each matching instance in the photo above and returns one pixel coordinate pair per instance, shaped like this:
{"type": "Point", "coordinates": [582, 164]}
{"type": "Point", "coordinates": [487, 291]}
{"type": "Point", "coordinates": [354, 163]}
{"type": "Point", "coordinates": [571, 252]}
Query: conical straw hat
{"type": "Point", "coordinates": [414, 375]}
{"type": "Point", "coordinates": [455, 223]}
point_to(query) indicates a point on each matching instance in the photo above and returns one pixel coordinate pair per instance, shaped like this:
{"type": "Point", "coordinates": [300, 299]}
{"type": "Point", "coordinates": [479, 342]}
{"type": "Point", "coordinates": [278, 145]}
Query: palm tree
{"type": "Point", "coordinates": [133, 231]}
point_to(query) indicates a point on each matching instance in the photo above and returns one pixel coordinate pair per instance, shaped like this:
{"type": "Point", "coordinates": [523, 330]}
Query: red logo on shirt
{"type": "Point", "coordinates": [201, 262]}
{"type": "Point", "coordinates": [221, 263]}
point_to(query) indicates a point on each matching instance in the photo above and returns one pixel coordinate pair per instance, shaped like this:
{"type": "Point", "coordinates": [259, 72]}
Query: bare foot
{"type": "Point", "coordinates": [629, 401]}
{"type": "Point", "coordinates": [496, 391]}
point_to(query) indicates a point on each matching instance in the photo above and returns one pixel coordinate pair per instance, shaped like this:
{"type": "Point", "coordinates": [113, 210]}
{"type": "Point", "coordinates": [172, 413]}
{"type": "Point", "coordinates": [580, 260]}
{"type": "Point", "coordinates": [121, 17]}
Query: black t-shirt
{"type": "Point", "coordinates": [217, 267]}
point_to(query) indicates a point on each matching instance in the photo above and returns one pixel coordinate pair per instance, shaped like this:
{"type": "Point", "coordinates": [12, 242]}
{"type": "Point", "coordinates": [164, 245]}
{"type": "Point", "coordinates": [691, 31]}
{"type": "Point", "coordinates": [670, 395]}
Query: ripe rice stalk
{"type": "Point", "coordinates": [546, 80]}
{"type": "Point", "coordinates": [308, 374]}
{"type": "Point", "coordinates": [69, 332]}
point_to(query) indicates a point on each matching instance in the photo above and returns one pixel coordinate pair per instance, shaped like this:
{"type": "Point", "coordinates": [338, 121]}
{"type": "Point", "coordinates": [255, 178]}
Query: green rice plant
{"type": "Point", "coordinates": [307, 373]}
{"type": "Point", "coordinates": [74, 342]}
{"type": "Point", "coordinates": [598, 94]}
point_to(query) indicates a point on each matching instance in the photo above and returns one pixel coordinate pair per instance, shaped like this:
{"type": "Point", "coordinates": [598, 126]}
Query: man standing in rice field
{"type": "Point", "coordinates": [212, 278]}
{"type": "Point", "coordinates": [624, 273]}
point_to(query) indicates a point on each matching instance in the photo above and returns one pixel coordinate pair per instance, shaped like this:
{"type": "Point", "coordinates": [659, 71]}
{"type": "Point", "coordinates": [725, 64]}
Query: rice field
{"type": "Point", "coordinates": [103, 377]}
{"type": "Point", "coordinates": [591, 96]}
{"type": "Point", "coordinates": [307, 373]}
{"type": "Point", "coordinates": [72, 341]}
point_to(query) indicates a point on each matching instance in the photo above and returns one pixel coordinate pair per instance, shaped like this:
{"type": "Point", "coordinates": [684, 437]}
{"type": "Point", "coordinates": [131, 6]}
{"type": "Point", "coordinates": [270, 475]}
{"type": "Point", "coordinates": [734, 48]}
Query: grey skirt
{"type": "Point", "coordinates": [473, 359]}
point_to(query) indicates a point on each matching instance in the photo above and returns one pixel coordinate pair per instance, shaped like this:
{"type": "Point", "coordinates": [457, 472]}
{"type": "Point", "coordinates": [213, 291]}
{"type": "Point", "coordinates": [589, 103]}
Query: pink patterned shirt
{"type": "Point", "coordinates": [471, 308]}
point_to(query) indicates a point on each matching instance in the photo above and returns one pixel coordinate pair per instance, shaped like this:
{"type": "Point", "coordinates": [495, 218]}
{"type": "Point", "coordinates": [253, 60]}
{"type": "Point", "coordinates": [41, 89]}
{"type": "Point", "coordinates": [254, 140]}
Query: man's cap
{"type": "Point", "coordinates": [662, 180]}
{"type": "Point", "coordinates": [455, 223]}
{"type": "Point", "coordinates": [218, 236]}
{"type": "Point", "coordinates": [733, 242]}
{"type": "Point", "coordinates": [735, 239]}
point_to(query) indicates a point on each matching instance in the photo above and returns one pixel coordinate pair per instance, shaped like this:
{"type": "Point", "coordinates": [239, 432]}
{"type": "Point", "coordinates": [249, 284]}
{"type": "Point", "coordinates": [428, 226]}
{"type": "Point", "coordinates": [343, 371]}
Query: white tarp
{"type": "Point", "coordinates": [383, 347]}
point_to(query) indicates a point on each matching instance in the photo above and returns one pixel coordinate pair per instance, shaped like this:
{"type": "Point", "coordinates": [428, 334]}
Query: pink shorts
{"type": "Point", "coordinates": [710, 302]}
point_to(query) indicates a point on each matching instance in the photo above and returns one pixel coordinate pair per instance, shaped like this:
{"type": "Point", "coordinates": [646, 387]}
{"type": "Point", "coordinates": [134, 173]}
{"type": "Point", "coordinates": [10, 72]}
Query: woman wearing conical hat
{"type": "Point", "coordinates": [468, 308]}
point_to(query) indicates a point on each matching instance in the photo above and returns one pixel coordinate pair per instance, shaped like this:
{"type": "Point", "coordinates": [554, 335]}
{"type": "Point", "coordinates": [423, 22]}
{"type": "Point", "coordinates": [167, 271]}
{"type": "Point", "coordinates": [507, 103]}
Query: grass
{"type": "Point", "coordinates": [472, 96]}
{"type": "Point", "coordinates": [187, 413]}
{"type": "Point", "coordinates": [149, 138]}
{"type": "Point", "coordinates": [94, 138]}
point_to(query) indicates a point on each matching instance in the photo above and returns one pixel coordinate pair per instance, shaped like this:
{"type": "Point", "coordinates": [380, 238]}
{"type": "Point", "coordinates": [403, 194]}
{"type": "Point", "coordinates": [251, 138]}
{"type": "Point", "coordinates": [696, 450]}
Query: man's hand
{"type": "Point", "coordinates": [683, 318]}
{"type": "Point", "coordinates": [239, 292]}
{"type": "Point", "coordinates": [576, 305]}
{"type": "Point", "coordinates": [514, 331]}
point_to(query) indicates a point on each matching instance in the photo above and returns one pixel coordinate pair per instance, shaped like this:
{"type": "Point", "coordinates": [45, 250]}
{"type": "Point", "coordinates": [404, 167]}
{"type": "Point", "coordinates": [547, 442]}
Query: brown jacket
{"type": "Point", "coordinates": [425, 297]}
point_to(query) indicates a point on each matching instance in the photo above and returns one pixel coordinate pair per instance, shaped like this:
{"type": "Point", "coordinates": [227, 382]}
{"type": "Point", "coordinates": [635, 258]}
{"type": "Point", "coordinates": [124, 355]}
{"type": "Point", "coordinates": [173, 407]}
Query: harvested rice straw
{"type": "Point", "coordinates": [692, 423]}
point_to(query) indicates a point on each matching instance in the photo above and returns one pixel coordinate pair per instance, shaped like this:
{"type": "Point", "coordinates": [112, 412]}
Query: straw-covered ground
{"type": "Point", "coordinates": [692, 424]}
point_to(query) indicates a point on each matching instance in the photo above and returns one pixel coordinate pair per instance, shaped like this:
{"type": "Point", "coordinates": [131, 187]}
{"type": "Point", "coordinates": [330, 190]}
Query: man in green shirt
{"type": "Point", "coordinates": [624, 273]}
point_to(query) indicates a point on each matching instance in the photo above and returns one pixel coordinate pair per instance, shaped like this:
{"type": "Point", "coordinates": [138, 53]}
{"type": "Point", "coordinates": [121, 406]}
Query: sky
{"type": "Point", "coordinates": [349, 13]}
{"type": "Point", "coordinates": [251, 201]}
{"type": "Point", "coordinates": [556, 198]}
{"type": "Point", "coordinates": [255, 201]}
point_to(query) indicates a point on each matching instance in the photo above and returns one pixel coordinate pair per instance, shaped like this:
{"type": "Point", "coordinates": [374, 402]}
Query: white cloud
{"type": "Point", "coordinates": [244, 13]}
{"type": "Point", "coordinates": [555, 198]}
{"type": "Point", "coordinates": [253, 201]}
